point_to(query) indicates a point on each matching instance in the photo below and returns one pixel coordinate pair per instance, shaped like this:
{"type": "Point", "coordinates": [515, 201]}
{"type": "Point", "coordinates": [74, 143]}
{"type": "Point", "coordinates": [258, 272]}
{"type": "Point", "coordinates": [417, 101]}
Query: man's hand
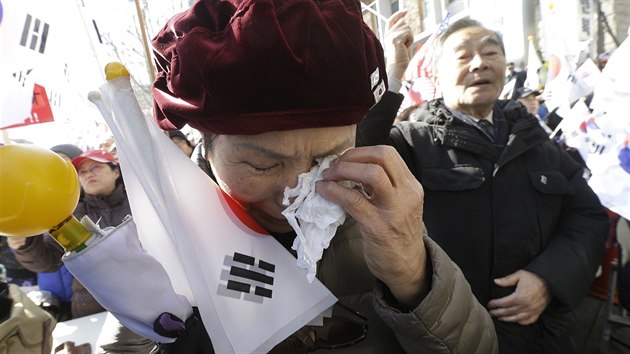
{"type": "Point", "coordinates": [525, 305]}
{"type": "Point", "coordinates": [398, 40]}
{"type": "Point", "coordinates": [16, 242]}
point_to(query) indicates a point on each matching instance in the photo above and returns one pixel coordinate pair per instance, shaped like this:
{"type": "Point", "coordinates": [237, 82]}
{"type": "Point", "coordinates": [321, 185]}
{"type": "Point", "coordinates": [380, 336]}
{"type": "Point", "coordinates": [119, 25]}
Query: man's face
{"type": "Point", "coordinates": [471, 71]}
{"type": "Point", "coordinates": [531, 103]}
{"type": "Point", "coordinates": [255, 169]}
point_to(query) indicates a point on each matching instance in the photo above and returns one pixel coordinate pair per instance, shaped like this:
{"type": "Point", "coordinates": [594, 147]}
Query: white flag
{"type": "Point", "coordinates": [44, 49]}
{"type": "Point", "coordinates": [16, 91]}
{"type": "Point", "coordinates": [249, 291]}
{"type": "Point", "coordinates": [533, 66]}
{"type": "Point", "coordinates": [609, 158]}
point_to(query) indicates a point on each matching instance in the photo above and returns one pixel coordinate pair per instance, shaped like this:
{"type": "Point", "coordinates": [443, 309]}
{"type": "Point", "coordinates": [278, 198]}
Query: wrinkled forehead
{"type": "Point", "coordinates": [471, 37]}
{"type": "Point", "coordinates": [312, 142]}
{"type": "Point", "coordinates": [89, 162]}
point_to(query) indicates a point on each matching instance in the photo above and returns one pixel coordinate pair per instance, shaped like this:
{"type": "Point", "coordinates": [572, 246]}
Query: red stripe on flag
{"type": "Point", "coordinates": [40, 110]}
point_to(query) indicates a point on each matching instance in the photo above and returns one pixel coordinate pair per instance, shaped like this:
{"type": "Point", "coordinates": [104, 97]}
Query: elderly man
{"type": "Point", "coordinates": [508, 205]}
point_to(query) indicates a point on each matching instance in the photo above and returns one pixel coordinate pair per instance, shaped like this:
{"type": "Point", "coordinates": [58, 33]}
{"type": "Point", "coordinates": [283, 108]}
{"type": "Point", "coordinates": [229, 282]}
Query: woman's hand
{"type": "Point", "coordinates": [389, 215]}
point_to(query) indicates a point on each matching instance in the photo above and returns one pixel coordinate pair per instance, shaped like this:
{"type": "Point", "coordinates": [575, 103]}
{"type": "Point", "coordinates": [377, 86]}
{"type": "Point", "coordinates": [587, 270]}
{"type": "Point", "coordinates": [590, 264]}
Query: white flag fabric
{"type": "Point", "coordinates": [249, 291]}
{"type": "Point", "coordinates": [533, 65]}
{"type": "Point", "coordinates": [564, 87]}
{"type": "Point", "coordinates": [44, 44]}
{"type": "Point", "coordinates": [136, 302]}
{"type": "Point", "coordinates": [609, 133]}
{"type": "Point", "coordinates": [16, 91]}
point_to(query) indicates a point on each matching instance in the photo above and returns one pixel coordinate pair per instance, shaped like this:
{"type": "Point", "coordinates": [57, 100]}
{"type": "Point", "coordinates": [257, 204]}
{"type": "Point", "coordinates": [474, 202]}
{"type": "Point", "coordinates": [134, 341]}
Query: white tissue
{"type": "Point", "coordinates": [314, 219]}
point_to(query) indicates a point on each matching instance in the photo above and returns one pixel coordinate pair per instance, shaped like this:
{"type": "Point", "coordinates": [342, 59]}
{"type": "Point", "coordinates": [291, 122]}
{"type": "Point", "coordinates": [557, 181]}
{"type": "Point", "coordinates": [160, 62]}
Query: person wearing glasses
{"type": "Point", "coordinates": [275, 85]}
{"type": "Point", "coordinates": [104, 201]}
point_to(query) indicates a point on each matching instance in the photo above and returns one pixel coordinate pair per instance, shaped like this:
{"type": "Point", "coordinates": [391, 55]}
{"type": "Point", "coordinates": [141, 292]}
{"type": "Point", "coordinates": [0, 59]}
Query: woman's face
{"type": "Point", "coordinates": [255, 169]}
{"type": "Point", "coordinates": [96, 178]}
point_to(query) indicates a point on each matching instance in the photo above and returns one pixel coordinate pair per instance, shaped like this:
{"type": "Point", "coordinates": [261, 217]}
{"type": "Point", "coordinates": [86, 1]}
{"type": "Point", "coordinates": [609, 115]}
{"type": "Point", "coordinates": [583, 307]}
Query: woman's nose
{"type": "Point", "coordinates": [290, 179]}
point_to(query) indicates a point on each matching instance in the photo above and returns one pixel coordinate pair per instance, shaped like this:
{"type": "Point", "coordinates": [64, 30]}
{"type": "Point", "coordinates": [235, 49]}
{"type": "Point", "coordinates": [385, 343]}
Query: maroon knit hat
{"type": "Point", "coordinates": [246, 67]}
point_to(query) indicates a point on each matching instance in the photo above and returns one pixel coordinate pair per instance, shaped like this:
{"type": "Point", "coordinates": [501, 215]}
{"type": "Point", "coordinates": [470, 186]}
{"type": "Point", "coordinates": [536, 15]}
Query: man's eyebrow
{"type": "Point", "coordinates": [280, 156]}
{"type": "Point", "coordinates": [490, 39]}
{"type": "Point", "coordinates": [460, 46]}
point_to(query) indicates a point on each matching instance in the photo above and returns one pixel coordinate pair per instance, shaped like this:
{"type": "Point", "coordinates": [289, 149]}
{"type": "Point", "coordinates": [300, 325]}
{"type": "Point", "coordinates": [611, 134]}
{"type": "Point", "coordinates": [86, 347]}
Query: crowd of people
{"type": "Point", "coordinates": [478, 232]}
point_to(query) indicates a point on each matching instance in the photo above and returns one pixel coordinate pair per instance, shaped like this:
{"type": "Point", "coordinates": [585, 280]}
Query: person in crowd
{"type": "Point", "coordinates": [104, 202]}
{"type": "Point", "coordinates": [398, 41]}
{"type": "Point", "coordinates": [199, 158]}
{"type": "Point", "coordinates": [268, 110]}
{"type": "Point", "coordinates": [592, 312]}
{"type": "Point", "coordinates": [518, 76]}
{"type": "Point", "coordinates": [179, 138]}
{"type": "Point", "coordinates": [108, 145]}
{"type": "Point", "coordinates": [12, 271]}
{"type": "Point", "coordinates": [530, 100]}
{"type": "Point", "coordinates": [507, 204]}
{"type": "Point", "coordinates": [67, 151]}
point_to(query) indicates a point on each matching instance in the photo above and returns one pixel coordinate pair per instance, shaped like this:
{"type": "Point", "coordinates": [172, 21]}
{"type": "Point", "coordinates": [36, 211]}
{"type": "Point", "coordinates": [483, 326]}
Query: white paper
{"type": "Point", "coordinates": [314, 219]}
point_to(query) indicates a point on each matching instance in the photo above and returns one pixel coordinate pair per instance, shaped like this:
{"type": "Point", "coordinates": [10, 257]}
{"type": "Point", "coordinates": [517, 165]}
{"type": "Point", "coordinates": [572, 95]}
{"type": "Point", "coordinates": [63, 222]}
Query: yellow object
{"type": "Point", "coordinates": [38, 190]}
{"type": "Point", "coordinates": [115, 70]}
{"type": "Point", "coordinates": [71, 235]}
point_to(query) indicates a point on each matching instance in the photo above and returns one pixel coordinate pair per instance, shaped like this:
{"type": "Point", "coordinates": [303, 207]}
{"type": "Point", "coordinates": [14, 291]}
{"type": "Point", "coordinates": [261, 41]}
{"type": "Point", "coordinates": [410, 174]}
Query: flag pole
{"type": "Point", "coordinates": [5, 137]}
{"type": "Point", "coordinates": [145, 43]}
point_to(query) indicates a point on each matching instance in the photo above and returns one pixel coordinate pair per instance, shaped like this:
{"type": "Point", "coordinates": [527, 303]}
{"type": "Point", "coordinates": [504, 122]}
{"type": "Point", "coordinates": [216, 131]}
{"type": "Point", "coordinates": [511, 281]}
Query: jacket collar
{"type": "Point", "coordinates": [523, 131]}
{"type": "Point", "coordinates": [108, 201]}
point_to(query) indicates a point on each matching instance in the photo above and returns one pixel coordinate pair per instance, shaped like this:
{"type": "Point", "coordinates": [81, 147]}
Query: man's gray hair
{"type": "Point", "coordinates": [454, 27]}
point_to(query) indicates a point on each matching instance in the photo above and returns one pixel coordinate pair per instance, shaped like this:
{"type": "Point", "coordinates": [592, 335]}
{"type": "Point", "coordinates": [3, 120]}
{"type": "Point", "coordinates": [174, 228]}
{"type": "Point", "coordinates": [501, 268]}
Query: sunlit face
{"type": "Point", "coordinates": [471, 71]}
{"type": "Point", "coordinates": [96, 178]}
{"type": "Point", "coordinates": [255, 169]}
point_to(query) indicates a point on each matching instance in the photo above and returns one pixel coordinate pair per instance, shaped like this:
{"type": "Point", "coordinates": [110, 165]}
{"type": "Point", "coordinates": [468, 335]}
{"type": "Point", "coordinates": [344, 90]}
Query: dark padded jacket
{"type": "Point", "coordinates": [520, 203]}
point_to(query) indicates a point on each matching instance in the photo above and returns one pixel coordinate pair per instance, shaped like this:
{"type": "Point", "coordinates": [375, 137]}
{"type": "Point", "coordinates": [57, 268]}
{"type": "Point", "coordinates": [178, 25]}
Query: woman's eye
{"type": "Point", "coordinates": [262, 169]}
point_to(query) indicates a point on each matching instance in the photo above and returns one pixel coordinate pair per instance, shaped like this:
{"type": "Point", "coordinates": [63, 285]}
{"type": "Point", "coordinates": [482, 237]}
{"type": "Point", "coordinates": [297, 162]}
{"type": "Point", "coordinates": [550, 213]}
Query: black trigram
{"type": "Point", "coordinates": [54, 98]}
{"type": "Point", "coordinates": [34, 34]}
{"type": "Point", "coordinates": [248, 276]}
{"type": "Point", "coordinates": [21, 76]}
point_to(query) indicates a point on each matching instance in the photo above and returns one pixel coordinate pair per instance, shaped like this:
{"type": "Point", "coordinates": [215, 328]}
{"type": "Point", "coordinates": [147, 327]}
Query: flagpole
{"type": "Point", "coordinates": [147, 51]}
{"type": "Point", "coordinates": [5, 137]}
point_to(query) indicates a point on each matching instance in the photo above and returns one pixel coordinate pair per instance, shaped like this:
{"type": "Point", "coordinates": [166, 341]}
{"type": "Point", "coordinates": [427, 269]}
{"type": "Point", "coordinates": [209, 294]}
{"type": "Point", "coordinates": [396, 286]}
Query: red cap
{"type": "Point", "coordinates": [94, 155]}
{"type": "Point", "coordinates": [254, 66]}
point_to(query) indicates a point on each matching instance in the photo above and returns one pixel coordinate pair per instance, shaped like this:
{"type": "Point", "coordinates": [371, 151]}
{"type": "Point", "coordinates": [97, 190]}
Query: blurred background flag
{"type": "Point", "coordinates": [45, 63]}
{"type": "Point", "coordinates": [608, 156]}
{"type": "Point", "coordinates": [16, 91]}
{"type": "Point", "coordinates": [418, 84]}
{"type": "Point", "coordinates": [533, 66]}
